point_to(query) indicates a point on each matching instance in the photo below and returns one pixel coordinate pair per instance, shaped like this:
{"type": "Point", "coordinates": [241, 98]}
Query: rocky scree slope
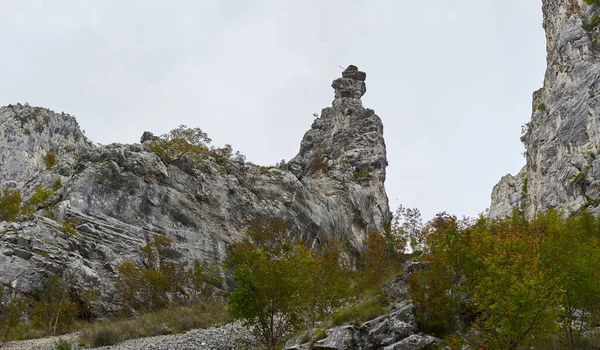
{"type": "Point", "coordinates": [563, 137]}
{"type": "Point", "coordinates": [117, 196]}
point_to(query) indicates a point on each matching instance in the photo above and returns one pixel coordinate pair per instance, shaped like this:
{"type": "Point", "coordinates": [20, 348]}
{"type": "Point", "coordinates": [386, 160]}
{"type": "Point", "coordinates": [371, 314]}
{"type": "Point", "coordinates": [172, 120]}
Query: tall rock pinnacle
{"type": "Point", "coordinates": [351, 84]}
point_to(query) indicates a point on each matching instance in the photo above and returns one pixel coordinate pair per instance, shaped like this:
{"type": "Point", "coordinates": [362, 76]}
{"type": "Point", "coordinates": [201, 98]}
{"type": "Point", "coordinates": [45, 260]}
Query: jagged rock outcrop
{"type": "Point", "coordinates": [508, 194]}
{"type": "Point", "coordinates": [117, 196]}
{"type": "Point", "coordinates": [563, 137]}
{"type": "Point", "coordinates": [394, 330]}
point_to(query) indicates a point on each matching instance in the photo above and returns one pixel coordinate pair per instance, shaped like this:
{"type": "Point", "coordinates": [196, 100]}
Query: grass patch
{"type": "Point", "coordinates": [362, 312]}
{"type": "Point", "coordinates": [173, 320]}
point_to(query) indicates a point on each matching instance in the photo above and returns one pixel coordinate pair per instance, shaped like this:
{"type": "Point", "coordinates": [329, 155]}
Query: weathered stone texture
{"type": "Point", "coordinates": [563, 139]}
{"type": "Point", "coordinates": [120, 195]}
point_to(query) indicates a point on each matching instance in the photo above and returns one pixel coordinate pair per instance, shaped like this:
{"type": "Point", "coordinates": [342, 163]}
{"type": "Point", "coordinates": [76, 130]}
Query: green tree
{"type": "Point", "coordinates": [206, 278]}
{"type": "Point", "coordinates": [271, 274]}
{"type": "Point", "coordinates": [378, 262]}
{"type": "Point", "coordinates": [12, 308]}
{"type": "Point", "coordinates": [571, 255]}
{"type": "Point", "coordinates": [54, 311]}
{"type": "Point", "coordinates": [329, 282]}
{"type": "Point", "coordinates": [515, 295]}
{"type": "Point", "coordinates": [182, 141]}
{"type": "Point", "coordinates": [154, 283]}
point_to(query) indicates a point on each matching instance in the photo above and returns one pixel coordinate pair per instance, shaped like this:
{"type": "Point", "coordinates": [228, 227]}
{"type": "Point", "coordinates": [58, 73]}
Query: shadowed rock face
{"type": "Point", "coordinates": [563, 139]}
{"type": "Point", "coordinates": [120, 195]}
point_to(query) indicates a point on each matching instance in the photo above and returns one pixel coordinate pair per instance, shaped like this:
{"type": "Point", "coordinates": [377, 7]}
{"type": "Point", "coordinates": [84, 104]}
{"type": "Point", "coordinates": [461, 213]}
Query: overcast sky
{"type": "Point", "coordinates": [451, 80]}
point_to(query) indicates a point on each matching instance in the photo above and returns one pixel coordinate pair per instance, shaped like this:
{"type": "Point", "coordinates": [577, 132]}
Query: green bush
{"type": "Point", "coordinates": [541, 106]}
{"type": "Point", "coordinates": [62, 344]}
{"type": "Point", "coordinates": [158, 280]}
{"type": "Point", "coordinates": [41, 196]}
{"type": "Point", "coordinates": [57, 185]}
{"type": "Point", "coordinates": [105, 337]}
{"type": "Point", "coordinates": [50, 160]}
{"type": "Point", "coordinates": [361, 175]}
{"type": "Point", "coordinates": [11, 311]}
{"type": "Point", "coordinates": [10, 202]}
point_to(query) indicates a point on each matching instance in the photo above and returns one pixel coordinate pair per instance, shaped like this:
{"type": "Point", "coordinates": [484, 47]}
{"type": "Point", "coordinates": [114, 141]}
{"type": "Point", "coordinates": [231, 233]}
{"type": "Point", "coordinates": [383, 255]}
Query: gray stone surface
{"type": "Point", "coordinates": [229, 336]}
{"type": "Point", "coordinates": [119, 195]}
{"type": "Point", "coordinates": [563, 138]}
{"type": "Point", "coordinates": [509, 193]}
{"type": "Point", "coordinates": [415, 342]}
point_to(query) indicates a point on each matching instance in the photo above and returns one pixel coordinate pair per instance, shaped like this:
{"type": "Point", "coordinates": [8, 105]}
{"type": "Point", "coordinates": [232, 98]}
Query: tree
{"type": "Point", "coordinates": [378, 262]}
{"type": "Point", "coordinates": [329, 282]}
{"type": "Point", "coordinates": [182, 141]}
{"type": "Point", "coordinates": [11, 310]}
{"type": "Point", "coordinates": [206, 276]}
{"type": "Point", "coordinates": [54, 311]}
{"type": "Point", "coordinates": [152, 284]}
{"type": "Point", "coordinates": [270, 272]}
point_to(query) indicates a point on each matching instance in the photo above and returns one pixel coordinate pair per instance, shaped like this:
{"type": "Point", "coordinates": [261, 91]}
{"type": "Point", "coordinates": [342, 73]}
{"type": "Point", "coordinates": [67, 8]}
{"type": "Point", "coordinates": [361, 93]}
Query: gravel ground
{"type": "Point", "coordinates": [230, 336]}
{"type": "Point", "coordinates": [40, 344]}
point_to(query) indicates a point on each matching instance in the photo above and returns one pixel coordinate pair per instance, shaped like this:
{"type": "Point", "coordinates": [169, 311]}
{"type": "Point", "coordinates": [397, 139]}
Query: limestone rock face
{"type": "Point", "coordinates": [509, 193]}
{"type": "Point", "coordinates": [118, 196]}
{"type": "Point", "coordinates": [563, 137]}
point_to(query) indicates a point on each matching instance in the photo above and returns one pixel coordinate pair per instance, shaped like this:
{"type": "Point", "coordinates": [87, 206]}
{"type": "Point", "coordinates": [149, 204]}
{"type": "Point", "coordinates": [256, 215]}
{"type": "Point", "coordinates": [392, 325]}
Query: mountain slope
{"type": "Point", "coordinates": [112, 199]}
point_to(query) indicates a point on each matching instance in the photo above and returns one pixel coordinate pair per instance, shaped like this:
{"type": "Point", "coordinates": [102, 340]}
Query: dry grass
{"type": "Point", "coordinates": [167, 321]}
{"type": "Point", "coordinates": [361, 312]}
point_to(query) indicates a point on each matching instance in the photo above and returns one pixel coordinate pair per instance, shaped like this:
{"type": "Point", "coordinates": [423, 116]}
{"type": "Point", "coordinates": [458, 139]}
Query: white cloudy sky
{"type": "Point", "coordinates": [451, 80]}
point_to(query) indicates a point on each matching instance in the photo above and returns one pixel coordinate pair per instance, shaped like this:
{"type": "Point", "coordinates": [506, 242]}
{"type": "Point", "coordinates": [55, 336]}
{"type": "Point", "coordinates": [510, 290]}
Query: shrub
{"type": "Point", "coordinates": [206, 278]}
{"type": "Point", "coordinates": [318, 163]}
{"type": "Point", "coordinates": [57, 185]}
{"type": "Point", "coordinates": [154, 283]}
{"type": "Point", "coordinates": [361, 175]}
{"type": "Point", "coordinates": [10, 202]}
{"type": "Point", "coordinates": [41, 196]}
{"type": "Point", "coordinates": [377, 264]}
{"type": "Point", "coordinates": [39, 127]}
{"type": "Point", "coordinates": [541, 106]}
{"type": "Point", "coordinates": [62, 344]}
{"type": "Point", "coordinates": [105, 337]}
{"type": "Point", "coordinates": [11, 310]}
{"type": "Point", "coordinates": [50, 160]}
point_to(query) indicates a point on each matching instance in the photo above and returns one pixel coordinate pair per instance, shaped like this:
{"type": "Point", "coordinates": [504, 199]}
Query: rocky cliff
{"type": "Point", "coordinates": [563, 137]}
{"type": "Point", "coordinates": [111, 199]}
